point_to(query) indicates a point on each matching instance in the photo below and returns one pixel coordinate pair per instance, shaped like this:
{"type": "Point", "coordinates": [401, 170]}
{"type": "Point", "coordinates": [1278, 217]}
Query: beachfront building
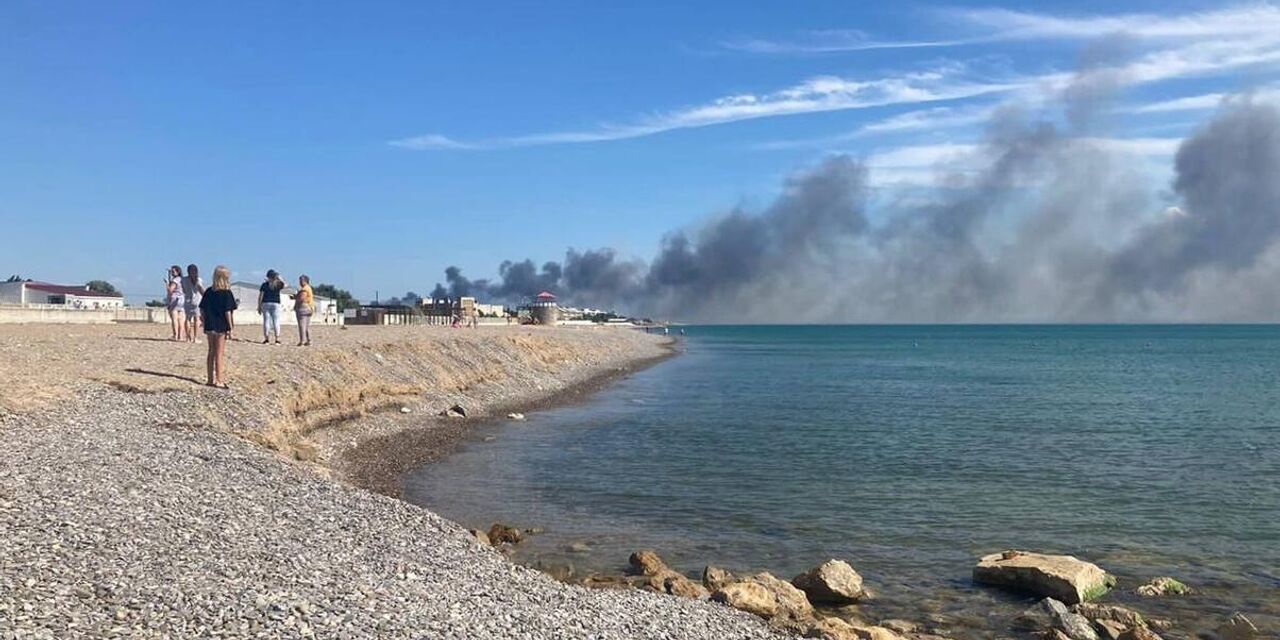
{"type": "Point", "coordinates": [31, 293]}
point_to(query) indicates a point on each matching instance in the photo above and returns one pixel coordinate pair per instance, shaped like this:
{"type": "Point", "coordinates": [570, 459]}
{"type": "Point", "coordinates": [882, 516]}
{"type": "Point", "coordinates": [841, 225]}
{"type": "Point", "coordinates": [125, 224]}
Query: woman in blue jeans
{"type": "Point", "coordinates": [269, 306]}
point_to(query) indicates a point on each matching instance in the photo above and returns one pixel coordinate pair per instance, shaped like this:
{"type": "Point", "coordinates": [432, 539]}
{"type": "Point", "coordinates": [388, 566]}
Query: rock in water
{"type": "Point", "coordinates": [456, 411]}
{"type": "Point", "coordinates": [480, 536]}
{"type": "Point", "coordinates": [833, 581]}
{"type": "Point", "coordinates": [1109, 612]}
{"type": "Point", "coordinates": [1050, 614]}
{"type": "Point", "coordinates": [647, 563]}
{"type": "Point", "coordinates": [714, 578]}
{"type": "Point", "coordinates": [1065, 578]}
{"type": "Point", "coordinates": [1109, 629]}
{"type": "Point", "coordinates": [837, 629]}
{"type": "Point", "coordinates": [1164, 587]}
{"type": "Point", "coordinates": [1237, 627]}
{"type": "Point", "coordinates": [662, 578]}
{"type": "Point", "coordinates": [1139, 633]}
{"type": "Point", "coordinates": [791, 600]}
{"type": "Point", "coordinates": [502, 534]}
{"type": "Point", "coordinates": [515, 416]}
{"type": "Point", "coordinates": [748, 596]}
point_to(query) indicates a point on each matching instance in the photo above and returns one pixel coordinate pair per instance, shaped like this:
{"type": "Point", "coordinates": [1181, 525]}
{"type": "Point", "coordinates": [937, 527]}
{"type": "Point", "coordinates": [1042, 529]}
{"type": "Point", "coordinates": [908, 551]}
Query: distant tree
{"type": "Point", "coordinates": [154, 303]}
{"type": "Point", "coordinates": [342, 296]}
{"type": "Point", "coordinates": [14, 278]}
{"type": "Point", "coordinates": [101, 286]}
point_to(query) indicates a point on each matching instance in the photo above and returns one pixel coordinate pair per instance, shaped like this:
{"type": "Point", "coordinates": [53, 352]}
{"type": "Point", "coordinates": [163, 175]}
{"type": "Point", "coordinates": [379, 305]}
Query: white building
{"type": "Point", "coordinates": [26, 294]}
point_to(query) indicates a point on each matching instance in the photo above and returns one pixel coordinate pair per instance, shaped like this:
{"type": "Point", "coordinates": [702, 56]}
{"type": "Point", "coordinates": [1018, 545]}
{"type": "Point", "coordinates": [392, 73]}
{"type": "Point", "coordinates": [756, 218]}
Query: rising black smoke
{"type": "Point", "coordinates": [1046, 226]}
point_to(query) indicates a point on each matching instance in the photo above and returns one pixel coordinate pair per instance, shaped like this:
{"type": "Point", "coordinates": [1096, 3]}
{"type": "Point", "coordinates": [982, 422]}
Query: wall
{"type": "Point", "coordinates": [11, 293]}
{"type": "Point", "coordinates": [55, 315]}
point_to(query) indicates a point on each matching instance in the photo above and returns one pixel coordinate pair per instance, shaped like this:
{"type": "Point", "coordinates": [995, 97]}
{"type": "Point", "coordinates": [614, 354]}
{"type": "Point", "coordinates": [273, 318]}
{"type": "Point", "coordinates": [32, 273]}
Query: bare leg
{"type": "Point", "coordinates": [173, 323]}
{"type": "Point", "coordinates": [212, 361]}
{"type": "Point", "coordinates": [222, 360]}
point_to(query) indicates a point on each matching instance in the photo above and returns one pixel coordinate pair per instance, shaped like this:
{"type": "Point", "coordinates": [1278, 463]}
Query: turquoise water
{"type": "Point", "coordinates": [911, 451]}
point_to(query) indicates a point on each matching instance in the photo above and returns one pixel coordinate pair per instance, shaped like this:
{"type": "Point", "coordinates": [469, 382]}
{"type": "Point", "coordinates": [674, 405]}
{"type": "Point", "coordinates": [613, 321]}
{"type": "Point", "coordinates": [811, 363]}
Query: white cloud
{"type": "Point", "coordinates": [1203, 44]}
{"type": "Point", "coordinates": [832, 41]}
{"type": "Point", "coordinates": [429, 141]}
{"type": "Point", "coordinates": [816, 95]}
{"type": "Point", "coordinates": [1241, 20]}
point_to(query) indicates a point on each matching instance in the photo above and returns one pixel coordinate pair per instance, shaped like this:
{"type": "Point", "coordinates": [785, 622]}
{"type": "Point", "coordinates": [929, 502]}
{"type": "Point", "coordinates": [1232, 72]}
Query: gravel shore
{"type": "Point", "coordinates": [137, 505]}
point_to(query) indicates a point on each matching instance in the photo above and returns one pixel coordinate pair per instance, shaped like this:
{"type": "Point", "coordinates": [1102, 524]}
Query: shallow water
{"type": "Point", "coordinates": [911, 451]}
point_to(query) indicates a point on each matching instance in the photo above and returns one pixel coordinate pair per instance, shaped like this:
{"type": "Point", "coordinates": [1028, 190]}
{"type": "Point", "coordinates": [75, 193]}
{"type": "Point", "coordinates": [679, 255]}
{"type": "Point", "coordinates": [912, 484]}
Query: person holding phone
{"type": "Point", "coordinates": [174, 302]}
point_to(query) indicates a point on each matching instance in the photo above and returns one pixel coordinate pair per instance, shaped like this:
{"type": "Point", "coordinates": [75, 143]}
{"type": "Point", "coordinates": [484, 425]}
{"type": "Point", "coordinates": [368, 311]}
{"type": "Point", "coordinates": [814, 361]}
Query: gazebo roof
{"type": "Point", "coordinates": [546, 295]}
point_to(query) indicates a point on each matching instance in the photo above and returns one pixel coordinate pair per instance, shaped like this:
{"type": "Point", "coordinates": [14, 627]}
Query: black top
{"type": "Point", "coordinates": [271, 291]}
{"type": "Point", "coordinates": [214, 308]}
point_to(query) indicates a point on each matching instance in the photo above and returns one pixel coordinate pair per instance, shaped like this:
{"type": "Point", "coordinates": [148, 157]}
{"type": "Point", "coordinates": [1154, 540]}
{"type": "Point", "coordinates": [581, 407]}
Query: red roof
{"type": "Point", "coordinates": [546, 295]}
{"type": "Point", "coordinates": [65, 290]}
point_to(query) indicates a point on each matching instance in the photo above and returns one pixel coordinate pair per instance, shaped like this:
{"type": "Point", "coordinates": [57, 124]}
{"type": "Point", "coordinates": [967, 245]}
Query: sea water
{"type": "Point", "coordinates": [910, 451]}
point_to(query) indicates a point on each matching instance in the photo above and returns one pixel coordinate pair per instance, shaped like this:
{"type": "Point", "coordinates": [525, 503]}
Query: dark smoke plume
{"type": "Point", "coordinates": [1051, 226]}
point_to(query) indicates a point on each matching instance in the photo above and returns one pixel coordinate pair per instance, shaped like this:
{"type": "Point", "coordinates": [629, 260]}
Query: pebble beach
{"type": "Point", "coordinates": [134, 502]}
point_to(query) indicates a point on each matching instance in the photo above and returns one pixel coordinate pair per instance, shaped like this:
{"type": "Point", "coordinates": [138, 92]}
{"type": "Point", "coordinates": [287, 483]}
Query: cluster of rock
{"type": "Point", "coordinates": [1067, 586]}
{"type": "Point", "coordinates": [501, 535]}
{"type": "Point", "coordinates": [787, 606]}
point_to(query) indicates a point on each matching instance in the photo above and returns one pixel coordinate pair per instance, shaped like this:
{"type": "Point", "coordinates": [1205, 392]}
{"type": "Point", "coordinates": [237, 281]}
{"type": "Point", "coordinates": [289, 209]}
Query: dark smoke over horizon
{"type": "Point", "coordinates": [1052, 227]}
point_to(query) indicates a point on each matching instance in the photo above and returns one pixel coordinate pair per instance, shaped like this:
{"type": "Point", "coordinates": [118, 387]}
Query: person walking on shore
{"type": "Point", "coordinates": [217, 308]}
{"type": "Point", "coordinates": [193, 292]}
{"type": "Point", "coordinates": [269, 306]}
{"type": "Point", "coordinates": [174, 302]}
{"type": "Point", "coordinates": [304, 305]}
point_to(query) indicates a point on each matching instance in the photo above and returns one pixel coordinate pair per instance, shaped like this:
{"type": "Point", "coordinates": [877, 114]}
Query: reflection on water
{"type": "Point", "coordinates": [911, 451]}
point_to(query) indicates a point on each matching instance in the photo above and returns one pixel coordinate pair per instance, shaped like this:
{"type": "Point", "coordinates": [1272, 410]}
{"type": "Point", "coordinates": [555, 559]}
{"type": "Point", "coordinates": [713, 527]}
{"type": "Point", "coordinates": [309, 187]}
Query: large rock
{"type": "Point", "coordinates": [1237, 627]}
{"type": "Point", "coordinates": [1064, 578]}
{"type": "Point", "coordinates": [1165, 586]}
{"type": "Point", "coordinates": [648, 563]}
{"type": "Point", "coordinates": [1110, 629]}
{"type": "Point", "coordinates": [502, 534]}
{"type": "Point", "coordinates": [751, 597]}
{"type": "Point", "coordinates": [1110, 612]}
{"type": "Point", "coordinates": [1049, 614]}
{"type": "Point", "coordinates": [837, 629]}
{"type": "Point", "coordinates": [678, 585]}
{"type": "Point", "coordinates": [791, 601]}
{"type": "Point", "coordinates": [1139, 633]}
{"type": "Point", "coordinates": [832, 582]}
{"type": "Point", "coordinates": [714, 578]}
{"type": "Point", "coordinates": [659, 577]}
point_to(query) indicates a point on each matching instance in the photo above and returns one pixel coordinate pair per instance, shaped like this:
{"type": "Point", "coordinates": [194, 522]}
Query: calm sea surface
{"type": "Point", "coordinates": [911, 451]}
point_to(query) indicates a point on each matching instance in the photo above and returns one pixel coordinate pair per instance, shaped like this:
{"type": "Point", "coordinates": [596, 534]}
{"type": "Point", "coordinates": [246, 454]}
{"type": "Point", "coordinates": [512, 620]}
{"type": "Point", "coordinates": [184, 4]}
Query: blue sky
{"type": "Point", "coordinates": [373, 144]}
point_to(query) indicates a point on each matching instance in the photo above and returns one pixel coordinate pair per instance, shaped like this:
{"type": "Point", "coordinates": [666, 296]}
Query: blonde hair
{"type": "Point", "coordinates": [221, 278]}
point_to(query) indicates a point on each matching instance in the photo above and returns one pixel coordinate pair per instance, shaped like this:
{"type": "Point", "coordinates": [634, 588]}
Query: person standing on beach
{"type": "Point", "coordinates": [269, 306]}
{"type": "Point", "coordinates": [217, 309]}
{"type": "Point", "coordinates": [193, 292]}
{"type": "Point", "coordinates": [304, 305]}
{"type": "Point", "coordinates": [174, 302]}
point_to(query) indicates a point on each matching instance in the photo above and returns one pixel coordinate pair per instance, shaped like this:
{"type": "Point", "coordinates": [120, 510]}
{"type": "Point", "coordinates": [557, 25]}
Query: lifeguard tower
{"type": "Point", "coordinates": [544, 309]}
